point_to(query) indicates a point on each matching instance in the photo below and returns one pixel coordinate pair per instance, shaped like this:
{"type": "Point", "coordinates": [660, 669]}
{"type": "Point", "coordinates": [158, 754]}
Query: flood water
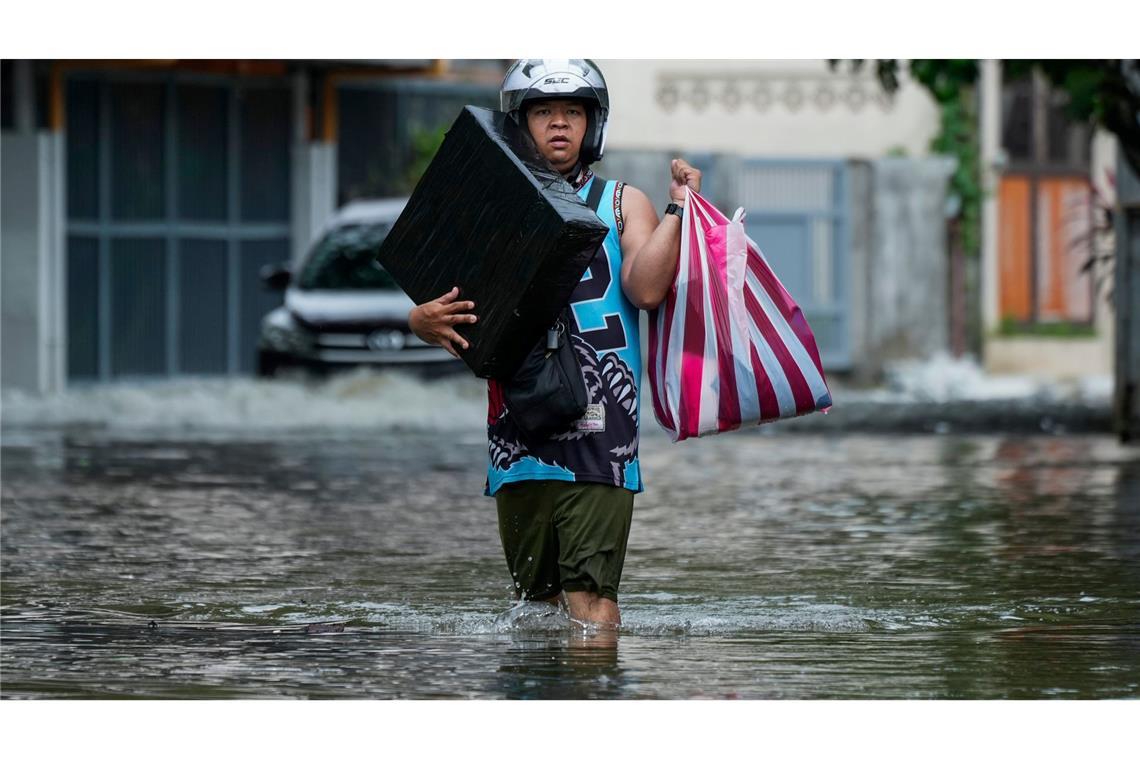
{"type": "Point", "coordinates": [760, 565]}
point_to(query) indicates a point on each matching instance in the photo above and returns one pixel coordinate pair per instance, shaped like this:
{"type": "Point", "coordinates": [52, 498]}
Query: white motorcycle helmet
{"type": "Point", "coordinates": [531, 79]}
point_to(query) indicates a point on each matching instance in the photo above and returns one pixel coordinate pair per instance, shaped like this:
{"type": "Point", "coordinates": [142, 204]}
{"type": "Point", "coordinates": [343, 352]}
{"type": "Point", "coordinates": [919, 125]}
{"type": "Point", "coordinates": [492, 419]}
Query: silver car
{"type": "Point", "coordinates": [342, 309]}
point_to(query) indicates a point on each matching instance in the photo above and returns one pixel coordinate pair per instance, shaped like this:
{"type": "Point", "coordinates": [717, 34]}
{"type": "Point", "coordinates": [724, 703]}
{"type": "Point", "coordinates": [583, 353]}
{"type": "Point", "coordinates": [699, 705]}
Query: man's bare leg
{"type": "Point", "coordinates": [588, 607]}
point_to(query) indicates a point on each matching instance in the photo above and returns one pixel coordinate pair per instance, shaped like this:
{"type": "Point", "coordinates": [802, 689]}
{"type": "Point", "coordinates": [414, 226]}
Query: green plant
{"type": "Point", "coordinates": [1104, 93]}
{"type": "Point", "coordinates": [425, 144]}
{"type": "Point", "coordinates": [1101, 262]}
{"type": "Point", "coordinates": [952, 85]}
{"type": "Point", "coordinates": [1012, 328]}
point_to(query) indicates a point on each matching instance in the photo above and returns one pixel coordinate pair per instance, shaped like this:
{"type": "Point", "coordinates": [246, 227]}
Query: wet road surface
{"type": "Point", "coordinates": [760, 565]}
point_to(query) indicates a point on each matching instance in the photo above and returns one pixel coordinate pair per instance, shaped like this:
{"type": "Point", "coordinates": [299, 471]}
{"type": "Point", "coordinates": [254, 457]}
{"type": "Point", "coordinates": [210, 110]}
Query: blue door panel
{"type": "Point", "coordinates": [797, 213]}
{"type": "Point", "coordinates": [787, 247]}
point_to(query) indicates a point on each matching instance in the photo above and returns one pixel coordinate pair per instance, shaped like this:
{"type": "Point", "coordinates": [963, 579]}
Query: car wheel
{"type": "Point", "coordinates": [268, 363]}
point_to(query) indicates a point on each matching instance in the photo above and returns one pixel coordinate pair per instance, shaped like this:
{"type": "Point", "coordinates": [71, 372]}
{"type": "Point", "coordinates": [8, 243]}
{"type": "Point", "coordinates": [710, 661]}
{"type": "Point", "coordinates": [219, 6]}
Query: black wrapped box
{"type": "Point", "coordinates": [493, 217]}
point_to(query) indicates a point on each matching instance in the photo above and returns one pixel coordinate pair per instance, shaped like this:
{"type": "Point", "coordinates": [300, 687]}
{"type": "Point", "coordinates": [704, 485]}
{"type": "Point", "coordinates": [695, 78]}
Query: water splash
{"type": "Point", "coordinates": [353, 401]}
{"type": "Point", "coordinates": [531, 616]}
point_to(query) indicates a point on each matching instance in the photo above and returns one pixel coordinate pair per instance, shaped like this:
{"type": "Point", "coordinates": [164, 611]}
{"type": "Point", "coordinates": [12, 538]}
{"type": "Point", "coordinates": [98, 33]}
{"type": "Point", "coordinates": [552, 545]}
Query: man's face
{"type": "Point", "coordinates": [557, 127]}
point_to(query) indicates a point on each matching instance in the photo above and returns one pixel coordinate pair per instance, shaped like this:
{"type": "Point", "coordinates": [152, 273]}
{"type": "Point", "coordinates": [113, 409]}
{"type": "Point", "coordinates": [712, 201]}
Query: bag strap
{"type": "Point", "coordinates": [594, 197]}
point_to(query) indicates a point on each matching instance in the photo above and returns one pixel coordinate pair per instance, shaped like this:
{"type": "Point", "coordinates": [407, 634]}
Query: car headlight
{"type": "Point", "coordinates": [291, 338]}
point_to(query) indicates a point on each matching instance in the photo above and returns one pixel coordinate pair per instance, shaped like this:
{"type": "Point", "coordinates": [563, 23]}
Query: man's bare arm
{"type": "Point", "coordinates": [650, 246]}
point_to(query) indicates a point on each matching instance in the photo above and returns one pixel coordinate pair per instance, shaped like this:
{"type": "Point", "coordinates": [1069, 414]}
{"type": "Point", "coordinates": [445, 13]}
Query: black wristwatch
{"type": "Point", "coordinates": [673, 208]}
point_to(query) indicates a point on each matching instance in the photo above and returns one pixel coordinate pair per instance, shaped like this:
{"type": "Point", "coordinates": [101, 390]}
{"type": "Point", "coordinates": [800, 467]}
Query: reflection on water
{"type": "Point", "coordinates": [760, 566]}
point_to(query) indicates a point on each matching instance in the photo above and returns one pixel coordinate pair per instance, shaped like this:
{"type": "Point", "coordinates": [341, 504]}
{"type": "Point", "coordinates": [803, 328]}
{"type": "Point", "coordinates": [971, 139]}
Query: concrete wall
{"type": "Point", "coordinates": [1059, 358]}
{"type": "Point", "coordinates": [865, 367]}
{"type": "Point", "coordinates": [1104, 165]}
{"type": "Point", "coordinates": [1126, 401]}
{"type": "Point", "coordinates": [764, 108]}
{"type": "Point", "coordinates": [314, 194]}
{"type": "Point", "coordinates": [992, 158]}
{"type": "Point", "coordinates": [32, 262]}
{"type": "Point", "coordinates": [906, 273]}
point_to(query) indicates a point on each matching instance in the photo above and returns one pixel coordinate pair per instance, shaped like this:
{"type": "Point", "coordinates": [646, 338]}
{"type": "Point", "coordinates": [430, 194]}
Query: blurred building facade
{"type": "Point", "coordinates": [836, 177]}
{"type": "Point", "coordinates": [142, 198]}
{"type": "Point", "coordinates": [845, 198]}
{"type": "Point", "coordinates": [1048, 181]}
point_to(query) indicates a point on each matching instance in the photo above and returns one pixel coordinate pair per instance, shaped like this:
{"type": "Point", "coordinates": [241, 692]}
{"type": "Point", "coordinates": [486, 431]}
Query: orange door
{"type": "Point", "coordinates": [1040, 254]}
{"type": "Point", "coordinates": [1015, 297]}
{"type": "Point", "coordinates": [1064, 293]}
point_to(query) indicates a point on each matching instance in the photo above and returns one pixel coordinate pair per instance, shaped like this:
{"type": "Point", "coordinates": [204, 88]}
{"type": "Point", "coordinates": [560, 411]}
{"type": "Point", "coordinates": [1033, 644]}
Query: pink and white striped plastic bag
{"type": "Point", "coordinates": [728, 347]}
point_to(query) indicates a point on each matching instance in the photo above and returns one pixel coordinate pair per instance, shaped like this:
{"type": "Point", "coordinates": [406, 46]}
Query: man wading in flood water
{"type": "Point", "coordinates": [565, 504]}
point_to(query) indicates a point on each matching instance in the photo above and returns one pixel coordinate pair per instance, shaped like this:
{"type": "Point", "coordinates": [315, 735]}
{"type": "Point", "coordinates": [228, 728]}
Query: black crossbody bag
{"type": "Point", "coordinates": [548, 393]}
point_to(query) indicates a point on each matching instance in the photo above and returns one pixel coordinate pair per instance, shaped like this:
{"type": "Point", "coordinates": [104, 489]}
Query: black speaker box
{"type": "Point", "coordinates": [492, 216]}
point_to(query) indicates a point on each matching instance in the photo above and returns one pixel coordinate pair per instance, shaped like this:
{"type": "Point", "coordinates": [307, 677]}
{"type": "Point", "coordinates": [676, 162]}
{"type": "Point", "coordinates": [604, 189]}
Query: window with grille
{"type": "Point", "coordinates": [1045, 210]}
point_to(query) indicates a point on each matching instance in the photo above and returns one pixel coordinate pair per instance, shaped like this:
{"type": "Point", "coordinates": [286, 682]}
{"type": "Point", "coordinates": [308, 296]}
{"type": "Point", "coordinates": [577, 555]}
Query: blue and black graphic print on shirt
{"type": "Point", "coordinates": [605, 335]}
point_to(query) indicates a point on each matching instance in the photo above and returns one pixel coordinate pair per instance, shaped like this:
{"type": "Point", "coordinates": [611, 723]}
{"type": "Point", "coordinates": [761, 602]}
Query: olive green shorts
{"type": "Point", "coordinates": [559, 535]}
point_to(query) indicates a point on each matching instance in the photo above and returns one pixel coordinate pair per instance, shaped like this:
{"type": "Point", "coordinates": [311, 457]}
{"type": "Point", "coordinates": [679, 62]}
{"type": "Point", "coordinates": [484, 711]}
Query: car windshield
{"type": "Point", "coordinates": [345, 259]}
